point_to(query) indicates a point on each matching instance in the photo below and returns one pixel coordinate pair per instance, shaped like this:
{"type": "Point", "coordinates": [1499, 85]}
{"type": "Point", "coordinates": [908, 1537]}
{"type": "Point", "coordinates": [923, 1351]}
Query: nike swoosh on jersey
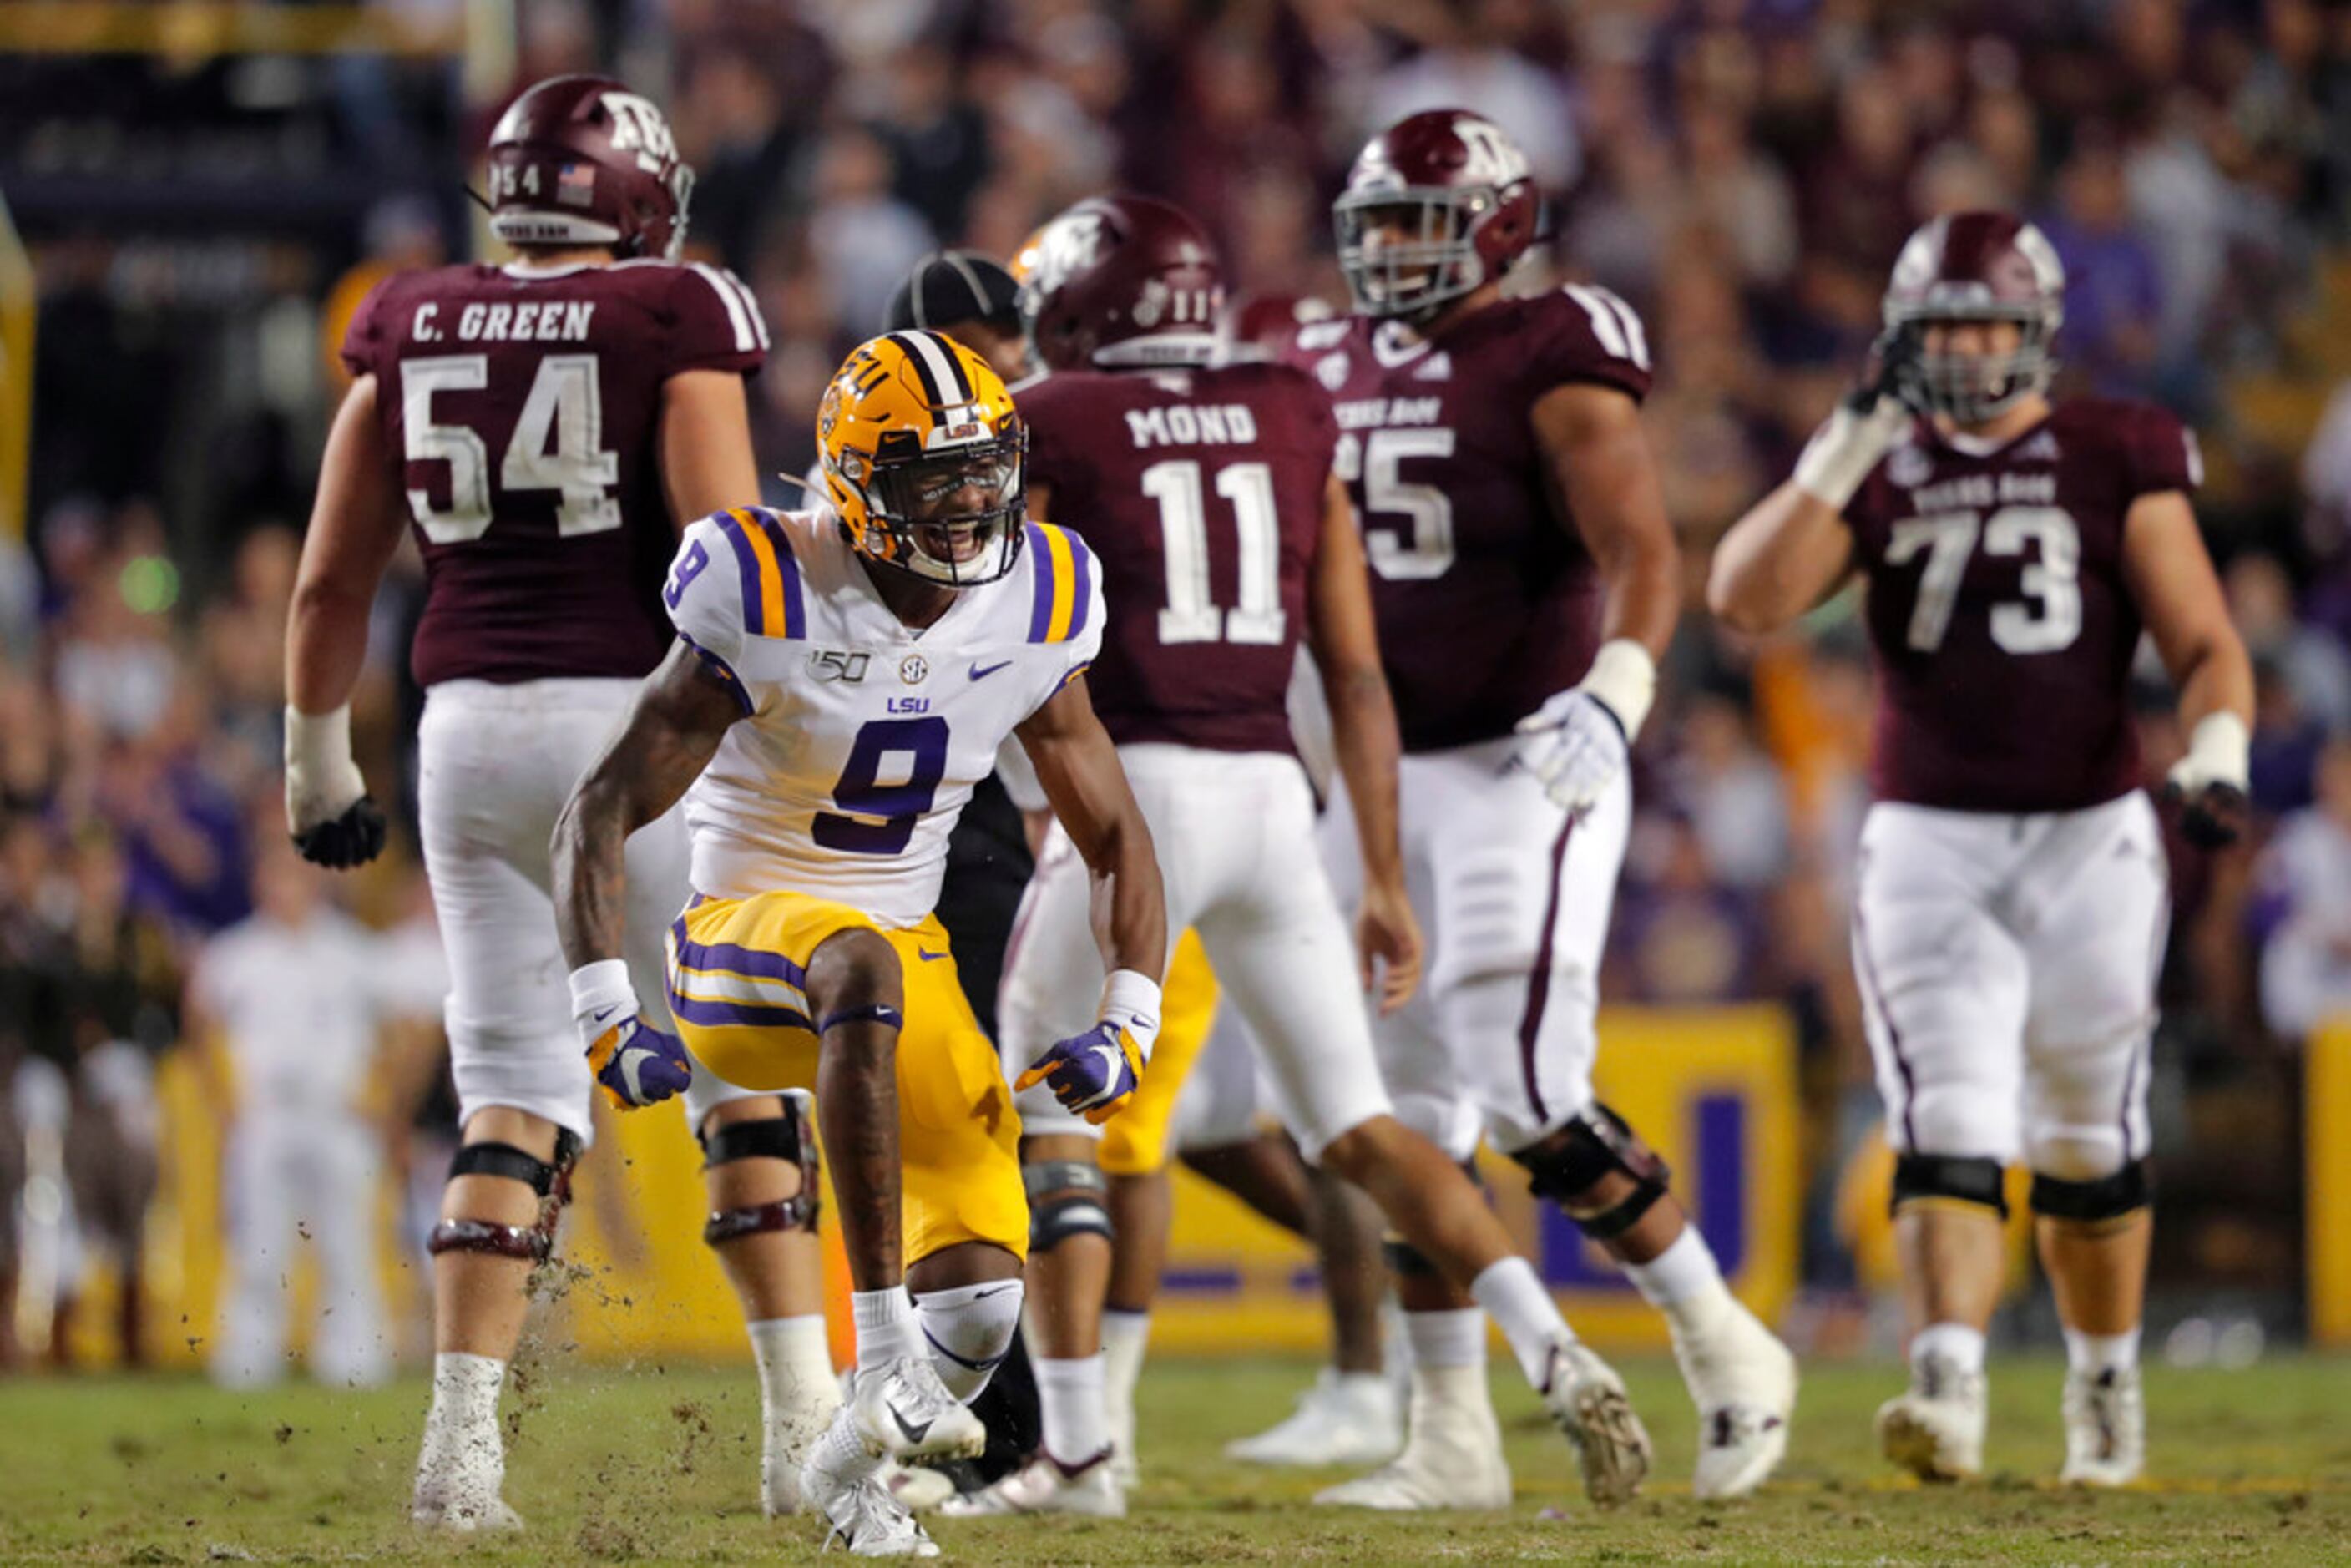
{"type": "Point", "coordinates": [980, 673]}
{"type": "Point", "coordinates": [927, 957]}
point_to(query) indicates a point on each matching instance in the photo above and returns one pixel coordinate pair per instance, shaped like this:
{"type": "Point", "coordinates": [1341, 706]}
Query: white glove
{"type": "Point", "coordinates": [322, 782]}
{"type": "Point", "coordinates": [1577, 743]}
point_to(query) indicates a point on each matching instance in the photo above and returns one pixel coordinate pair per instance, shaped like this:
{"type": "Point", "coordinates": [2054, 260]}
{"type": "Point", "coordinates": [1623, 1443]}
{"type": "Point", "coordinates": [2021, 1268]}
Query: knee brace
{"type": "Point", "coordinates": [2108, 1198]}
{"type": "Point", "coordinates": [1949, 1178]}
{"type": "Point", "coordinates": [551, 1179]}
{"type": "Point", "coordinates": [969, 1329]}
{"type": "Point", "coordinates": [1066, 1198]}
{"type": "Point", "coordinates": [1594, 1143]}
{"type": "Point", "coordinates": [785, 1137]}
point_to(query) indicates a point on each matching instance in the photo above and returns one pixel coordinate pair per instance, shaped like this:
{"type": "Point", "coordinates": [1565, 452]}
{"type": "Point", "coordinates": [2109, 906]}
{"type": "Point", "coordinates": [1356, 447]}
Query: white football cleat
{"type": "Point", "coordinates": [784, 1449]}
{"type": "Point", "coordinates": [863, 1514]}
{"type": "Point", "coordinates": [903, 1412]}
{"type": "Point", "coordinates": [1936, 1430]}
{"type": "Point", "coordinates": [1587, 1401]}
{"type": "Point", "coordinates": [465, 1517]}
{"type": "Point", "coordinates": [920, 1489]}
{"type": "Point", "coordinates": [1045, 1485]}
{"type": "Point", "coordinates": [2106, 1428]}
{"type": "Point", "coordinates": [1743, 1381]}
{"type": "Point", "coordinates": [1451, 1460]}
{"type": "Point", "coordinates": [1345, 1420]}
{"type": "Point", "coordinates": [458, 1483]}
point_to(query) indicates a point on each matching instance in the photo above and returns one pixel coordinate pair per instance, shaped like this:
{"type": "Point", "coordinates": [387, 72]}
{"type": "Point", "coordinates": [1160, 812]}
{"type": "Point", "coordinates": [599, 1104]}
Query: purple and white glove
{"type": "Point", "coordinates": [1096, 1073]}
{"type": "Point", "coordinates": [635, 1064]}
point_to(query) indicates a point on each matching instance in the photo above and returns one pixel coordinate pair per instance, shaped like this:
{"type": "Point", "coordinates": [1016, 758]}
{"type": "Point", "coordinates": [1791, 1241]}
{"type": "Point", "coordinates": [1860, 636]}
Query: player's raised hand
{"type": "Point", "coordinates": [333, 820]}
{"type": "Point", "coordinates": [1868, 423]}
{"type": "Point", "coordinates": [1575, 745]}
{"type": "Point", "coordinates": [1092, 1074]}
{"type": "Point", "coordinates": [635, 1064]}
{"type": "Point", "coordinates": [1388, 947]}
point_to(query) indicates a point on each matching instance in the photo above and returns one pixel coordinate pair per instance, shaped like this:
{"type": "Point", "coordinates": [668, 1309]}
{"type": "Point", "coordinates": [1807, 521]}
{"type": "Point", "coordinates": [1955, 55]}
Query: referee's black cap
{"type": "Point", "coordinates": [951, 285]}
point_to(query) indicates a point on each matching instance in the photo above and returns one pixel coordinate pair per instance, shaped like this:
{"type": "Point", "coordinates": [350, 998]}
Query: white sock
{"type": "Point", "coordinates": [463, 1423]}
{"type": "Point", "coordinates": [1125, 1337]}
{"type": "Point", "coordinates": [796, 1381]}
{"type": "Point", "coordinates": [2092, 1354]}
{"type": "Point", "coordinates": [1069, 1396]}
{"type": "Point", "coordinates": [1684, 1283]}
{"type": "Point", "coordinates": [1528, 1318]}
{"type": "Point", "coordinates": [1957, 1344]}
{"type": "Point", "coordinates": [885, 1326]}
{"type": "Point", "coordinates": [1447, 1339]}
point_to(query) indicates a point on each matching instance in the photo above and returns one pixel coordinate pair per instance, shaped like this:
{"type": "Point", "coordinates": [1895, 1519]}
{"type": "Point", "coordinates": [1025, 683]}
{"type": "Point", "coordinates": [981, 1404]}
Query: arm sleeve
{"type": "Point", "coordinates": [1585, 333]}
{"type": "Point", "coordinates": [704, 593]}
{"type": "Point", "coordinates": [2163, 454]}
{"type": "Point", "coordinates": [369, 332]}
{"type": "Point", "coordinates": [714, 322]}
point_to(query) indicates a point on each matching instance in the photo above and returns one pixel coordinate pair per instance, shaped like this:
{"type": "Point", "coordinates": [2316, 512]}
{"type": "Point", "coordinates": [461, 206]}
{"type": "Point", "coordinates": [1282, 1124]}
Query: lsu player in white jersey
{"type": "Point", "coordinates": [841, 679]}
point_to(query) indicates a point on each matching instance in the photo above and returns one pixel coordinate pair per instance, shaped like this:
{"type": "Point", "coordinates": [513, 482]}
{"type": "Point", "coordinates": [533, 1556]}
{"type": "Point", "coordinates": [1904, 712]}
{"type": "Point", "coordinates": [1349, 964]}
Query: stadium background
{"type": "Point", "coordinates": [198, 193]}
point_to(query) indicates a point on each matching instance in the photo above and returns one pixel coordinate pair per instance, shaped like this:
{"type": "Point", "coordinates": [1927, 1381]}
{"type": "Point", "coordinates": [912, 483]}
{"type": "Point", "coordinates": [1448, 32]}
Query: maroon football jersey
{"type": "Point", "coordinates": [2002, 626]}
{"type": "Point", "coordinates": [1486, 600]}
{"type": "Point", "coordinates": [523, 411]}
{"type": "Point", "coordinates": [1200, 491]}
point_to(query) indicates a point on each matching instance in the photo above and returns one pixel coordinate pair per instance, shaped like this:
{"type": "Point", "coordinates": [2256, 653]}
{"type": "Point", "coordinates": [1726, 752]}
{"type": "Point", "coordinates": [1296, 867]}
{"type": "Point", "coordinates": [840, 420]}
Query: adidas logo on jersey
{"type": "Point", "coordinates": [1438, 369]}
{"type": "Point", "coordinates": [2042, 448]}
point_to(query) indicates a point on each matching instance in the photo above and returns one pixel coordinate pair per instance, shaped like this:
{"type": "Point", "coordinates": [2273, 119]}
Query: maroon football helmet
{"type": "Point", "coordinates": [581, 159]}
{"type": "Point", "coordinates": [1976, 267]}
{"type": "Point", "coordinates": [1437, 205]}
{"type": "Point", "coordinates": [1121, 281]}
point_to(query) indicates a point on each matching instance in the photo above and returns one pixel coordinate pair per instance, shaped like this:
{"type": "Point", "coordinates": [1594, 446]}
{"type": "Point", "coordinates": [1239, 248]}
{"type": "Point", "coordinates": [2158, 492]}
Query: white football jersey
{"type": "Point", "coordinates": [863, 737]}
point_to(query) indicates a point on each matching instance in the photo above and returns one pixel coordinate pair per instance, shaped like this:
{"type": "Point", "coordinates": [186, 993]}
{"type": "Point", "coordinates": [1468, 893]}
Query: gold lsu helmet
{"type": "Point", "coordinates": [911, 424]}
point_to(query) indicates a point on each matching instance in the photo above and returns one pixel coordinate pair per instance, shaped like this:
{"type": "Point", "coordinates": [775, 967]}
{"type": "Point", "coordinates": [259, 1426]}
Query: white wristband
{"type": "Point", "coordinates": [1624, 676]}
{"type": "Point", "coordinates": [321, 780]}
{"type": "Point", "coordinates": [2219, 750]}
{"type": "Point", "coordinates": [1843, 451]}
{"type": "Point", "coordinates": [1131, 1000]}
{"type": "Point", "coordinates": [602, 988]}
{"type": "Point", "coordinates": [318, 741]}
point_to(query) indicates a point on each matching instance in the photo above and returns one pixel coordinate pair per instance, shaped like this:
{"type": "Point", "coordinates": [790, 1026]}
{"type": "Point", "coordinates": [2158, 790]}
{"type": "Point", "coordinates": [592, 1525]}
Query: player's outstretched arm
{"type": "Point", "coordinates": [1580, 741]}
{"type": "Point", "coordinates": [1343, 636]}
{"type": "Point", "coordinates": [682, 712]}
{"type": "Point", "coordinates": [355, 526]}
{"type": "Point", "coordinates": [707, 464]}
{"type": "Point", "coordinates": [2178, 597]}
{"type": "Point", "coordinates": [1095, 1072]}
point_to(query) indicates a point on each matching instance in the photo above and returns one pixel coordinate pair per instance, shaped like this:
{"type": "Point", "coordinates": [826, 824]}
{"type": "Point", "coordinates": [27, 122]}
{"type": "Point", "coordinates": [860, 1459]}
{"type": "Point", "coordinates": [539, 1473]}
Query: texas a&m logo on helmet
{"type": "Point", "coordinates": [1437, 205]}
{"type": "Point", "coordinates": [582, 161]}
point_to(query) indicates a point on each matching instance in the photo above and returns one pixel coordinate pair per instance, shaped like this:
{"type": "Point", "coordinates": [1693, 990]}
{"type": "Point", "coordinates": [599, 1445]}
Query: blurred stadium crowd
{"type": "Point", "coordinates": [1742, 171]}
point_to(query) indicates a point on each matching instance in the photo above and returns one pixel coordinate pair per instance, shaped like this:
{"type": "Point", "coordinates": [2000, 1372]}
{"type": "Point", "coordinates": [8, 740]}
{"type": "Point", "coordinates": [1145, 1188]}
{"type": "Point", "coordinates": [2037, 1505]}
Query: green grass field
{"type": "Point", "coordinates": [657, 1465]}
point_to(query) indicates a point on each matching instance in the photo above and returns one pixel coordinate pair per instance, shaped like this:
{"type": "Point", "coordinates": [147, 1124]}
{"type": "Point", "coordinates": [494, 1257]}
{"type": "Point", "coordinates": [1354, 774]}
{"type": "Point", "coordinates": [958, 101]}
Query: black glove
{"type": "Point", "coordinates": [1891, 370]}
{"type": "Point", "coordinates": [2214, 817]}
{"type": "Point", "coordinates": [352, 839]}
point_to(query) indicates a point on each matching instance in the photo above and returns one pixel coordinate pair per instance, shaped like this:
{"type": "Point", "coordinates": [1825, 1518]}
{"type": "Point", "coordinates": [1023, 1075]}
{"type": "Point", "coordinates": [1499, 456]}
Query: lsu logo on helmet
{"type": "Point", "coordinates": [924, 458]}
